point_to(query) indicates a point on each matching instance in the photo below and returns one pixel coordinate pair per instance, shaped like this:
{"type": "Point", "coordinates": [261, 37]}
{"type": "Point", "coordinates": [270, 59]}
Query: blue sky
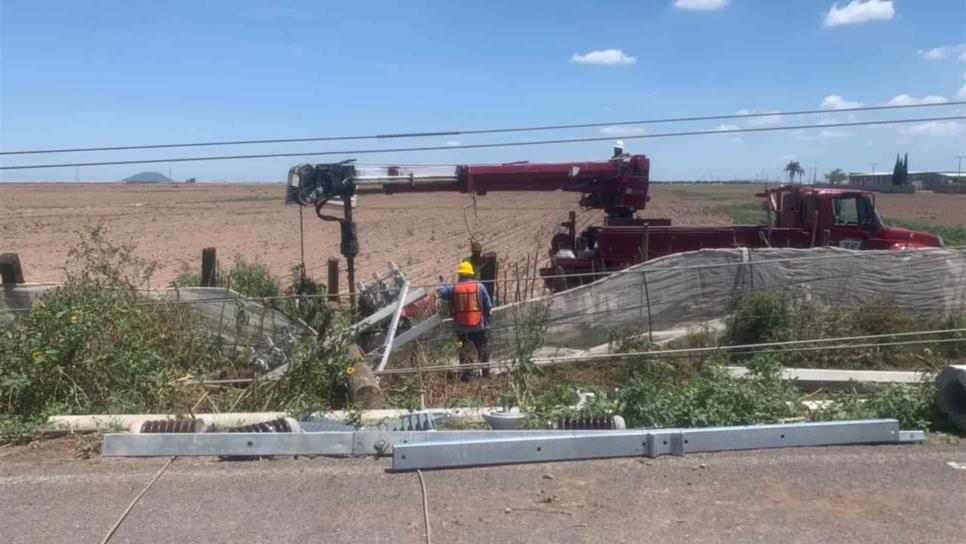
{"type": "Point", "coordinates": [121, 73]}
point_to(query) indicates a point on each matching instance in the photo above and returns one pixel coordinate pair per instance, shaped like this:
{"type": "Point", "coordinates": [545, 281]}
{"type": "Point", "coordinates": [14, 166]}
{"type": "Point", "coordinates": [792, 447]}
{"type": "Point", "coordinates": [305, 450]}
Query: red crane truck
{"type": "Point", "coordinates": [799, 216]}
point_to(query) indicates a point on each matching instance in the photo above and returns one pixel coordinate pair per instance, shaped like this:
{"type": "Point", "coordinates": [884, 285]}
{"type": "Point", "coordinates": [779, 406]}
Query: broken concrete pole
{"type": "Point", "coordinates": [363, 386]}
{"type": "Point", "coordinates": [951, 392]}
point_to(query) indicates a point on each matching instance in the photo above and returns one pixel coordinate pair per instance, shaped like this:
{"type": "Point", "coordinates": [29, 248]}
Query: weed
{"type": "Point", "coordinates": [713, 397]}
{"type": "Point", "coordinates": [93, 346]}
{"type": "Point", "coordinates": [250, 278]}
{"type": "Point", "coordinates": [914, 405]}
{"type": "Point", "coordinates": [89, 445]}
{"type": "Point", "coordinates": [761, 316]}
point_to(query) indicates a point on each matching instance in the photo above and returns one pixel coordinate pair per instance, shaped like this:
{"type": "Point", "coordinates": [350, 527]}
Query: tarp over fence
{"type": "Point", "coordinates": [240, 320]}
{"type": "Point", "coordinates": [673, 292]}
{"type": "Point", "coordinates": [697, 287]}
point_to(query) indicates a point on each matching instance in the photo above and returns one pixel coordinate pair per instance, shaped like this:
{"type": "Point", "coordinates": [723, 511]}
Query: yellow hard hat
{"type": "Point", "coordinates": [465, 269]}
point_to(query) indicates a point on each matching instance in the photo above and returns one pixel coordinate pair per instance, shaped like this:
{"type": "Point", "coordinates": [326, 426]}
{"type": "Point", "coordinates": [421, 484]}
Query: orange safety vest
{"type": "Point", "coordinates": [467, 310]}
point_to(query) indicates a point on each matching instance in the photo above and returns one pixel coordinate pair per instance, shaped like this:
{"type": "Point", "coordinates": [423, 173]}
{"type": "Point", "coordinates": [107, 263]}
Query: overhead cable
{"type": "Point", "coordinates": [487, 145]}
{"type": "Point", "coordinates": [437, 133]}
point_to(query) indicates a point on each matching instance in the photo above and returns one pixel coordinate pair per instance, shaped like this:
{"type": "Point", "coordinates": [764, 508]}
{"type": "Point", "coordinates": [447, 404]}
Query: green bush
{"type": "Point", "coordinates": [250, 278]}
{"type": "Point", "coordinates": [761, 316]}
{"type": "Point", "coordinates": [713, 397]}
{"type": "Point", "coordinates": [316, 379]}
{"type": "Point", "coordinates": [93, 345]}
{"type": "Point", "coordinates": [913, 405]}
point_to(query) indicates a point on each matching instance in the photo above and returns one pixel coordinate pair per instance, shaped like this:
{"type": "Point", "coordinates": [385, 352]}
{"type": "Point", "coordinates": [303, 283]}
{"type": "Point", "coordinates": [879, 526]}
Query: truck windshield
{"type": "Point", "coordinates": [854, 211]}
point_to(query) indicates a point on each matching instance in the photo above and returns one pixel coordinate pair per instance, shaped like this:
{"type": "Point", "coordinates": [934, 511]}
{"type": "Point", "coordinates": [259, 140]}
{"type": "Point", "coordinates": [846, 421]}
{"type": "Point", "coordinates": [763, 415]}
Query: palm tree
{"type": "Point", "coordinates": [794, 169]}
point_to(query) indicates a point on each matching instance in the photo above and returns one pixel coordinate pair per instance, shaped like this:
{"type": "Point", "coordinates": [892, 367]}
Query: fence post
{"type": "Point", "coordinates": [208, 262]}
{"type": "Point", "coordinates": [10, 269]}
{"type": "Point", "coordinates": [332, 287]}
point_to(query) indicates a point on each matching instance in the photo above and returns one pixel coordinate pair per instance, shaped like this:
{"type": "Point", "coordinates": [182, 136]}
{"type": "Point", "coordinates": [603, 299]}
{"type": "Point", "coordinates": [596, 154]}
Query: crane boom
{"type": "Point", "coordinates": [618, 185]}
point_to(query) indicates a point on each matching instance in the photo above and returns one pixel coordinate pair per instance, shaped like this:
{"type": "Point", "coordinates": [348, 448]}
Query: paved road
{"type": "Point", "coordinates": [842, 494]}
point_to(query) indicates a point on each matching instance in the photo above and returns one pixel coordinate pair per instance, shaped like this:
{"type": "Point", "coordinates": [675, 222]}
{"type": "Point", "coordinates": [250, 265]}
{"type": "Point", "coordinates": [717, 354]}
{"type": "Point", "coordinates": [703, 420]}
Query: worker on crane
{"type": "Point", "coordinates": [470, 307]}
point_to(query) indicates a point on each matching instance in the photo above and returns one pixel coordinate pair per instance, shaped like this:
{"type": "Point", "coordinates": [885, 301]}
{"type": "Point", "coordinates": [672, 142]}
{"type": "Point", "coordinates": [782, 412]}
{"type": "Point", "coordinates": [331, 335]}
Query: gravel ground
{"type": "Point", "coordinates": [840, 494]}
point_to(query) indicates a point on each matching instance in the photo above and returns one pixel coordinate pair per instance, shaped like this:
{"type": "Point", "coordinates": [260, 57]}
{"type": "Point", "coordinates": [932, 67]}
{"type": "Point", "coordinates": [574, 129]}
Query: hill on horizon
{"type": "Point", "coordinates": [148, 177]}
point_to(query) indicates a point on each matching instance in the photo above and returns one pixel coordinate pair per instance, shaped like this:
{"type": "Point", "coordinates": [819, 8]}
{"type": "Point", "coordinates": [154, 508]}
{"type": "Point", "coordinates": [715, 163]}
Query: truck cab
{"type": "Point", "coordinates": [840, 217]}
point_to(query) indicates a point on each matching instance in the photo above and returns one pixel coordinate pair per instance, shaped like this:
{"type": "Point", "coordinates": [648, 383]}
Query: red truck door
{"type": "Point", "coordinates": [853, 222]}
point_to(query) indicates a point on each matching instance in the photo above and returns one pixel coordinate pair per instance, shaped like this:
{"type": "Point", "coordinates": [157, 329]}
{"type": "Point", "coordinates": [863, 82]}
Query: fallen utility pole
{"type": "Point", "coordinates": [305, 443]}
{"type": "Point", "coordinates": [413, 450]}
{"type": "Point", "coordinates": [646, 443]}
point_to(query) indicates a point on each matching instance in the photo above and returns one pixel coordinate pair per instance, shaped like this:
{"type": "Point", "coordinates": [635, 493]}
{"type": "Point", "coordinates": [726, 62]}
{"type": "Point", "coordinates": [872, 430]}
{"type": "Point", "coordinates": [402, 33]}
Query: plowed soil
{"type": "Point", "coordinates": [426, 235]}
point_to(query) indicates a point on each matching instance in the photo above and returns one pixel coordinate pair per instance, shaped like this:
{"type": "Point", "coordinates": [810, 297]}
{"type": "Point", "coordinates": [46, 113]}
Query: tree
{"type": "Point", "coordinates": [900, 173]}
{"type": "Point", "coordinates": [794, 169]}
{"type": "Point", "coordinates": [836, 176]}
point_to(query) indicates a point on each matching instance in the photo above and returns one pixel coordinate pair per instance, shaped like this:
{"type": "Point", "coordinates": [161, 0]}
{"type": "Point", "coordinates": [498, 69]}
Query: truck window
{"type": "Point", "coordinates": [806, 210]}
{"type": "Point", "coordinates": [854, 210]}
{"type": "Point", "coordinates": [846, 211]}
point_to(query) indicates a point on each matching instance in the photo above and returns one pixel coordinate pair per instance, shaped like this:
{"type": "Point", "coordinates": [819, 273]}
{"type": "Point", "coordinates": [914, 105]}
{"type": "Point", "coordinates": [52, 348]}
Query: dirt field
{"type": "Point", "coordinates": [425, 234]}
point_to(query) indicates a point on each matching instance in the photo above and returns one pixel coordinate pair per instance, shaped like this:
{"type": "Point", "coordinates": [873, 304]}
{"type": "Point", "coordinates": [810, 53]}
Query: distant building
{"type": "Point", "coordinates": [918, 181]}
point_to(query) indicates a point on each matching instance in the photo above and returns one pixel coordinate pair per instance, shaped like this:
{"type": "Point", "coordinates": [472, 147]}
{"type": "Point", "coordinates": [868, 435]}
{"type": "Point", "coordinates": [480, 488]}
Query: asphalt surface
{"type": "Point", "coordinates": [909, 493]}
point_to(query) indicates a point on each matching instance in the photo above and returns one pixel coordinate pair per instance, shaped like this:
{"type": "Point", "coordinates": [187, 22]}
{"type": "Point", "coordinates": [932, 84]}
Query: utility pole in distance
{"type": "Point", "coordinates": [959, 169]}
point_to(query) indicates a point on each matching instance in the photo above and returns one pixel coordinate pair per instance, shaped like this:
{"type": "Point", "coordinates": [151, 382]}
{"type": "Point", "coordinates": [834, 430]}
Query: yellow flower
{"type": "Point", "coordinates": [350, 370]}
{"type": "Point", "coordinates": [37, 355]}
{"type": "Point", "coordinates": [74, 318]}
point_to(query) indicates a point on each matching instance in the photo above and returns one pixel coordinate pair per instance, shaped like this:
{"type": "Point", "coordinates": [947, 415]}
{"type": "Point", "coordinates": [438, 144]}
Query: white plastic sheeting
{"type": "Point", "coordinates": [691, 289]}
{"type": "Point", "coordinates": [240, 320]}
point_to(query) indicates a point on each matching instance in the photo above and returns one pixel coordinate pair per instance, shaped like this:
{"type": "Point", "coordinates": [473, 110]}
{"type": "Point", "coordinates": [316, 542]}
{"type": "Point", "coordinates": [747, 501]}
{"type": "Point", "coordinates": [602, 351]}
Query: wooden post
{"type": "Point", "coordinates": [646, 243]}
{"type": "Point", "coordinates": [208, 264]}
{"type": "Point", "coordinates": [332, 287]}
{"type": "Point", "coordinates": [504, 283]}
{"type": "Point", "coordinates": [526, 279]}
{"type": "Point", "coordinates": [536, 271]}
{"type": "Point", "coordinates": [10, 269]}
{"type": "Point", "coordinates": [571, 226]}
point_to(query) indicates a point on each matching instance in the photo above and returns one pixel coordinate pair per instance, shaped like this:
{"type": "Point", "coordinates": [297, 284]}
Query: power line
{"type": "Point", "coordinates": [472, 131]}
{"type": "Point", "coordinates": [489, 145]}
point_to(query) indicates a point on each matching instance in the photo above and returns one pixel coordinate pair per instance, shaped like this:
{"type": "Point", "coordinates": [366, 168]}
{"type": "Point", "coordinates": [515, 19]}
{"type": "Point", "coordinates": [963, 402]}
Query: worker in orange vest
{"type": "Point", "coordinates": [470, 307]}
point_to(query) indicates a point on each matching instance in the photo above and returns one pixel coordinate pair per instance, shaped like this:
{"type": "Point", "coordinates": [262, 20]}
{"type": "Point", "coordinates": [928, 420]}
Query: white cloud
{"type": "Point", "coordinates": [622, 131]}
{"type": "Point", "coordinates": [726, 128]}
{"type": "Point", "coordinates": [906, 100]}
{"type": "Point", "coordinates": [824, 134]}
{"type": "Point", "coordinates": [452, 143]}
{"type": "Point", "coordinates": [700, 5]}
{"type": "Point", "coordinates": [939, 129]}
{"type": "Point", "coordinates": [836, 102]}
{"type": "Point", "coordinates": [610, 57]}
{"type": "Point", "coordinates": [962, 93]}
{"type": "Point", "coordinates": [760, 121]}
{"type": "Point", "coordinates": [937, 54]}
{"type": "Point", "coordinates": [857, 12]}
{"type": "Point", "coordinates": [832, 134]}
